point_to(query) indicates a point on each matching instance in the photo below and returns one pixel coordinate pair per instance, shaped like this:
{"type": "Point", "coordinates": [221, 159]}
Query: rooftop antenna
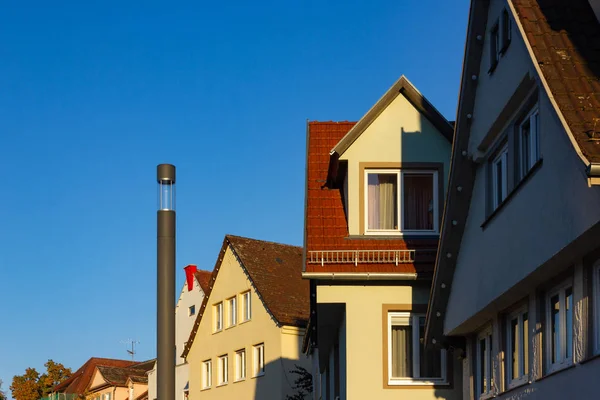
{"type": "Point", "coordinates": [133, 343]}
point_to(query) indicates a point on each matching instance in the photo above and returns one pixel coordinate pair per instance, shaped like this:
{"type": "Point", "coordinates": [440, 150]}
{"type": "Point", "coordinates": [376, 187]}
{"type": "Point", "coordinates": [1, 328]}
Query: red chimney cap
{"type": "Point", "coordinates": [190, 270]}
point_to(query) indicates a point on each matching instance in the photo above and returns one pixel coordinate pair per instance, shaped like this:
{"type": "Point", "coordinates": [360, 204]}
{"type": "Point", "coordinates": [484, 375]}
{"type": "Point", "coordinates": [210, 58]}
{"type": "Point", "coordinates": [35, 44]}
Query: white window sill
{"type": "Point", "coordinates": [515, 383]}
{"type": "Point", "coordinates": [222, 384]}
{"type": "Point", "coordinates": [486, 396]}
{"type": "Point", "coordinates": [243, 322]}
{"type": "Point", "coordinates": [239, 380]}
{"type": "Point", "coordinates": [416, 382]}
{"type": "Point", "coordinates": [259, 375]}
{"type": "Point", "coordinates": [206, 388]}
{"type": "Point", "coordinates": [217, 331]}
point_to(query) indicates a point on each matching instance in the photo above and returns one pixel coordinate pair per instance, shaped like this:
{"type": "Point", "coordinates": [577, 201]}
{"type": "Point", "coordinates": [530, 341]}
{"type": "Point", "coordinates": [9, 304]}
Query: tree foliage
{"type": "Point", "coordinates": [303, 384]}
{"type": "Point", "coordinates": [32, 386]}
{"type": "Point", "coordinates": [2, 394]}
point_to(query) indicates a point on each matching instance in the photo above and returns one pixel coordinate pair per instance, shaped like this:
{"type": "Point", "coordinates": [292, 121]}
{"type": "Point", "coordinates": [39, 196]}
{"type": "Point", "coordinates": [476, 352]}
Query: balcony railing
{"type": "Point", "coordinates": [368, 256]}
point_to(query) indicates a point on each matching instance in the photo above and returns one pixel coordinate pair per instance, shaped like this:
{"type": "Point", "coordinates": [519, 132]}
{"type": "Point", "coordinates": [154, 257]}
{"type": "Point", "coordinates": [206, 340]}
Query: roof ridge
{"type": "Point", "coordinates": [262, 241]}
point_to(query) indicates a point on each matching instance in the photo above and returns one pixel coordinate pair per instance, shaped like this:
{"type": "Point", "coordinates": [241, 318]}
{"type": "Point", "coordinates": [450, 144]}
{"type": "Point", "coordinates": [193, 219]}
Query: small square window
{"type": "Point", "coordinates": [259, 359]}
{"type": "Point", "coordinates": [506, 30]}
{"type": "Point", "coordinates": [223, 370]}
{"type": "Point", "coordinates": [240, 365]}
{"type": "Point", "coordinates": [232, 312]}
{"type": "Point", "coordinates": [206, 374]}
{"type": "Point", "coordinates": [218, 317]}
{"type": "Point", "coordinates": [192, 310]}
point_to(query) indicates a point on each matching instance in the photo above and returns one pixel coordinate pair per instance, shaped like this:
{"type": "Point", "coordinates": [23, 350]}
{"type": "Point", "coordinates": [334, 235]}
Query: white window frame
{"type": "Point", "coordinates": [206, 374]}
{"type": "Point", "coordinates": [396, 381]}
{"type": "Point", "coordinates": [258, 359]}
{"type": "Point", "coordinates": [534, 140]}
{"type": "Point", "coordinates": [231, 311]}
{"type": "Point", "coordinates": [488, 369]}
{"type": "Point", "coordinates": [218, 316]}
{"type": "Point", "coordinates": [501, 156]}
{"type": "Point", "coordinates": [596, 286]}
{"type": "Point", "coordinates": [400, 173]}
{"type": "Point", "coordinates": [240, 365]}
{"type": "Point", "coordinates": [562, 360]}
{"type": "Point", "coordinates": [522, 339]}
{"type": "Point", "coordinates": [192, 310]}
{"type": "Point", "coordinates": [223, 370]}
{"type": "Point", "coordinates": [246, 306]}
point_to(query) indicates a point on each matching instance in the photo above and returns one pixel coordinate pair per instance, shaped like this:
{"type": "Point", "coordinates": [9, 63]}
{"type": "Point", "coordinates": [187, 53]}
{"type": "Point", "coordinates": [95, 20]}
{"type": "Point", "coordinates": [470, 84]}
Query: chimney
{"type": "Point", "coordinates": [190, 270]}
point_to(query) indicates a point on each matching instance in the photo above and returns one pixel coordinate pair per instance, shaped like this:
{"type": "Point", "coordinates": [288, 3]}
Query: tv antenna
{"type": "Point", "coordinates": [131, 342]}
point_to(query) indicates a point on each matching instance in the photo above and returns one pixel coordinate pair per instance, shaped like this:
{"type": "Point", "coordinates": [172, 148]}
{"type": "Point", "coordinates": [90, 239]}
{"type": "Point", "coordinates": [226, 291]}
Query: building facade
{"type": "Point", "coordinates": [247, 337]}
{"type": "Point", "coordinates": [516, 284]}
{"type": "Point", "coordinates": [374, 200]}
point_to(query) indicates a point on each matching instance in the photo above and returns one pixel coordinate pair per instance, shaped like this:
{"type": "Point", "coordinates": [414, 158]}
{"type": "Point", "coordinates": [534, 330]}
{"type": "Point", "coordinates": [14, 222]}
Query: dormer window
{"type": "Point", "coordinates": [401, 201]}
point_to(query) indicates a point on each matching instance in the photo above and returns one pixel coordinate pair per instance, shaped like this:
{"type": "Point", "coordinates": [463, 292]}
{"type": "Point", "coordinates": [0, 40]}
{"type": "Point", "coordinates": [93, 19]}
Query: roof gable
{"type": "Point", "coordinates": [79, 382]}
{"type": "Point", "coordinates": [407, 89]}
{"type": "Point", "coordinates": [274, 271]}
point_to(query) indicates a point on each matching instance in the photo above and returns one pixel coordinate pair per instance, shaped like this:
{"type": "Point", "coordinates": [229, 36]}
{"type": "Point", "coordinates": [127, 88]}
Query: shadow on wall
{"type": "Point", "coordinates": [280, 381]}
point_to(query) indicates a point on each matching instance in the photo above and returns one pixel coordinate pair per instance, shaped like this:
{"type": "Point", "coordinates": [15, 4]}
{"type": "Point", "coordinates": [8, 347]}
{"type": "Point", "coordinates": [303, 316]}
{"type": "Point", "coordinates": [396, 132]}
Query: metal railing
{"type": "Point", "coordinates": [363, 256]}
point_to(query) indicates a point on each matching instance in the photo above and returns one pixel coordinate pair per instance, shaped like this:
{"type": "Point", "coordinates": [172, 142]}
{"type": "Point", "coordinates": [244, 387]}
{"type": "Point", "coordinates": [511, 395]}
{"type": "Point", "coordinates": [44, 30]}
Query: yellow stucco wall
{"type": "Point", "coordinates": [399, 134]}
{"type": "Point", "coordinates": [279, 343]}
{"type": "Point", "coordinates": [364, 337]}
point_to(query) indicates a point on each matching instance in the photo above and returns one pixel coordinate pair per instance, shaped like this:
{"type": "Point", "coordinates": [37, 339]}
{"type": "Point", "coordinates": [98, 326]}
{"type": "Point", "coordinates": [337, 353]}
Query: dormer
{"type": "Point", "coordinates": [392, 166]}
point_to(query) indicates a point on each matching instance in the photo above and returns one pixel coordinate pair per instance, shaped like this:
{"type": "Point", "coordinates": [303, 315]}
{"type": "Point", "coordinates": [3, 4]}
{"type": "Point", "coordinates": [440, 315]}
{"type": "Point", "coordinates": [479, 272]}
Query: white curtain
{"type": "Point", "coordinates": [382, 207]}
{"type": "Point", "coordinates": [401, 351]}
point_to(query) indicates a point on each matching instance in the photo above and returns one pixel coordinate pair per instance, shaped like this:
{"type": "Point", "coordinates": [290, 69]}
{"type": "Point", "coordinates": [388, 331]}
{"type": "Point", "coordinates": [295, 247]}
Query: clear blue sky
{"type": "Point", "coordinates": [95, 94]}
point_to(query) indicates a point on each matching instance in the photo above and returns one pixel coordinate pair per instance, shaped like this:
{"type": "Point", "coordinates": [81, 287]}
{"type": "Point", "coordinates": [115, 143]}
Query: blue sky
{"type": "Point", "coordinates": [93, 95]}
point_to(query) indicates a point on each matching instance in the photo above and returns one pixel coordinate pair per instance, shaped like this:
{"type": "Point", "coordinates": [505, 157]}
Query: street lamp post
{"type": "Point", "coordinates": [165, 262]}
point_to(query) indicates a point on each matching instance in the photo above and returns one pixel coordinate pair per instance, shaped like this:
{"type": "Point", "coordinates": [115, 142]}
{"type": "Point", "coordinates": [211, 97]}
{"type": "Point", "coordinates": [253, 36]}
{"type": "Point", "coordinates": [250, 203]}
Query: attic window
{"type": "Point", "coordinates": [192, 310]}
{"type": "Point", "coordinates": [494, 47]}
{"type": "Point", "coordinates": [506, 31]}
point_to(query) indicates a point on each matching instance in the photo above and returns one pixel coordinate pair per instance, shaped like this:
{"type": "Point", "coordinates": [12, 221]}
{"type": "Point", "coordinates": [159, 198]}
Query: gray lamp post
{"type": "Point", "coordinates": [165, 262]}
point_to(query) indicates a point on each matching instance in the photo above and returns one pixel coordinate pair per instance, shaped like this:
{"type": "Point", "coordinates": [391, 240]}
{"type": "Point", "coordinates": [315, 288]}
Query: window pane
{"type": "Point", "coordinates": [418, 201]}
{"type": "Point", "coordinates": [402, 351]}
{"type": "Point", "coordinates": [569, 322]}
{"type": "Point", "coordinates": [430, 360]}
{"type": "Point", "coordinates": [383, 202]}
{"type": "Point", "coordinates": [514, 345]}
{"type": "Point", "coordinates": [482, 381]}
{"type": "Point", "coordinates": [498, 167]}
{"type": "Point", "coordinates": [525, 147]}
{"type": "Point", "coordinates": [555, 327]}
{"type": "Point", "coordinates": [525, 336]}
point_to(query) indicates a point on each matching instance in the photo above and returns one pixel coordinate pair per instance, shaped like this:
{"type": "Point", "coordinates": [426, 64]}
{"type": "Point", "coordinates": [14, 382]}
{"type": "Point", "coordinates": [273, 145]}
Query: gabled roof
{"type": "Point", "coordinates": [119, 376]}
{"type": "Point", "coordinates": [274, 270]}
{"type": "Point", "coordinates": [563, 41]}
{"type": "Point", "coordinates": [408, 90]}
{"type": "Point", "coordinates": [563, 38]}
{"type": "Point", "coordinates": [203, 278]}
{"type": "Point", "coordinates": [81, 379]}
{"type": "Point", "coordinates": [326, 225]}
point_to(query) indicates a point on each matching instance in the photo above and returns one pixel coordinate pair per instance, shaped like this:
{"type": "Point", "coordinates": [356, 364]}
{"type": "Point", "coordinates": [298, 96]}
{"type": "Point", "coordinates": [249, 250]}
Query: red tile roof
{"type": "Point", "coordinates": [80, 380]}
{"type": "Point", "coordinates": [275, 271]}
{"type": "Point", "coordinates": [203, 278]}
{"type": "Point", "coordinates": [565, 40]}
{"type": "Point", "coordinates": [326, 223]}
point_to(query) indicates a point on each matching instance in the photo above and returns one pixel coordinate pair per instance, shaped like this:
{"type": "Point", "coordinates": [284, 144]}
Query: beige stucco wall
{"type": "Point", "coordinates": [117, 393]}
{"type": "Point", "coordinates": [231, 281]}
{"type": "Point", "coordinates": [399, 134]}
{"type": "Point", "coordinates": [363, 326]}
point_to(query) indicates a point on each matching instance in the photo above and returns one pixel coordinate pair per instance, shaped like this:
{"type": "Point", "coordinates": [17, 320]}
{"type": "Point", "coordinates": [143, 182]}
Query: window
{"type": "Point", "coordinates": [232, 317]}
{"type": "Point", "coordinates": [246, 306]}
{"type": "Point", "coordinates": [218, 317]}
{"type": "Point", "coordinates": [506, 30]}
{"type": "Point", "coordinates": [559, 327]}
{"type": "Point", "coordinates": [192, 310]}
{"type": "Point", "coordinates": [408, 360]}
{"type": "Point", "coordinates": [240, 365]}
{"type": "Point", "coordinates": [499, 172]}
{"type": "Point", "coordinates": [106, 396]}
{"type": "Point", "coordinates": [206, 374]}
{"type": "Point", "coordinates": [596, 285]}
{"type": "Point", "coordinates": [528, 132]}
{"type": "Point", "coordinates": [484, 378]}
{"type": "Point", "coordinates": [494, 47]}
{"type": "Point", "coordinates": [517, 347]}
{"type": "Point", "coordinates": [417, 210]}
{"type": "Point", "coordinates": [223, 370]}
{"type": "Point", "coordinates": [259, 359]}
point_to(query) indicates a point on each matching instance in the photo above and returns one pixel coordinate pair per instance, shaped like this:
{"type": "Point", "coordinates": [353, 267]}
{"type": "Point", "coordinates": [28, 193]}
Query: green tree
{"type": "Point", "coordinates": [32, 386]}
{"type": "Point", "coordinates": [303, 384]}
